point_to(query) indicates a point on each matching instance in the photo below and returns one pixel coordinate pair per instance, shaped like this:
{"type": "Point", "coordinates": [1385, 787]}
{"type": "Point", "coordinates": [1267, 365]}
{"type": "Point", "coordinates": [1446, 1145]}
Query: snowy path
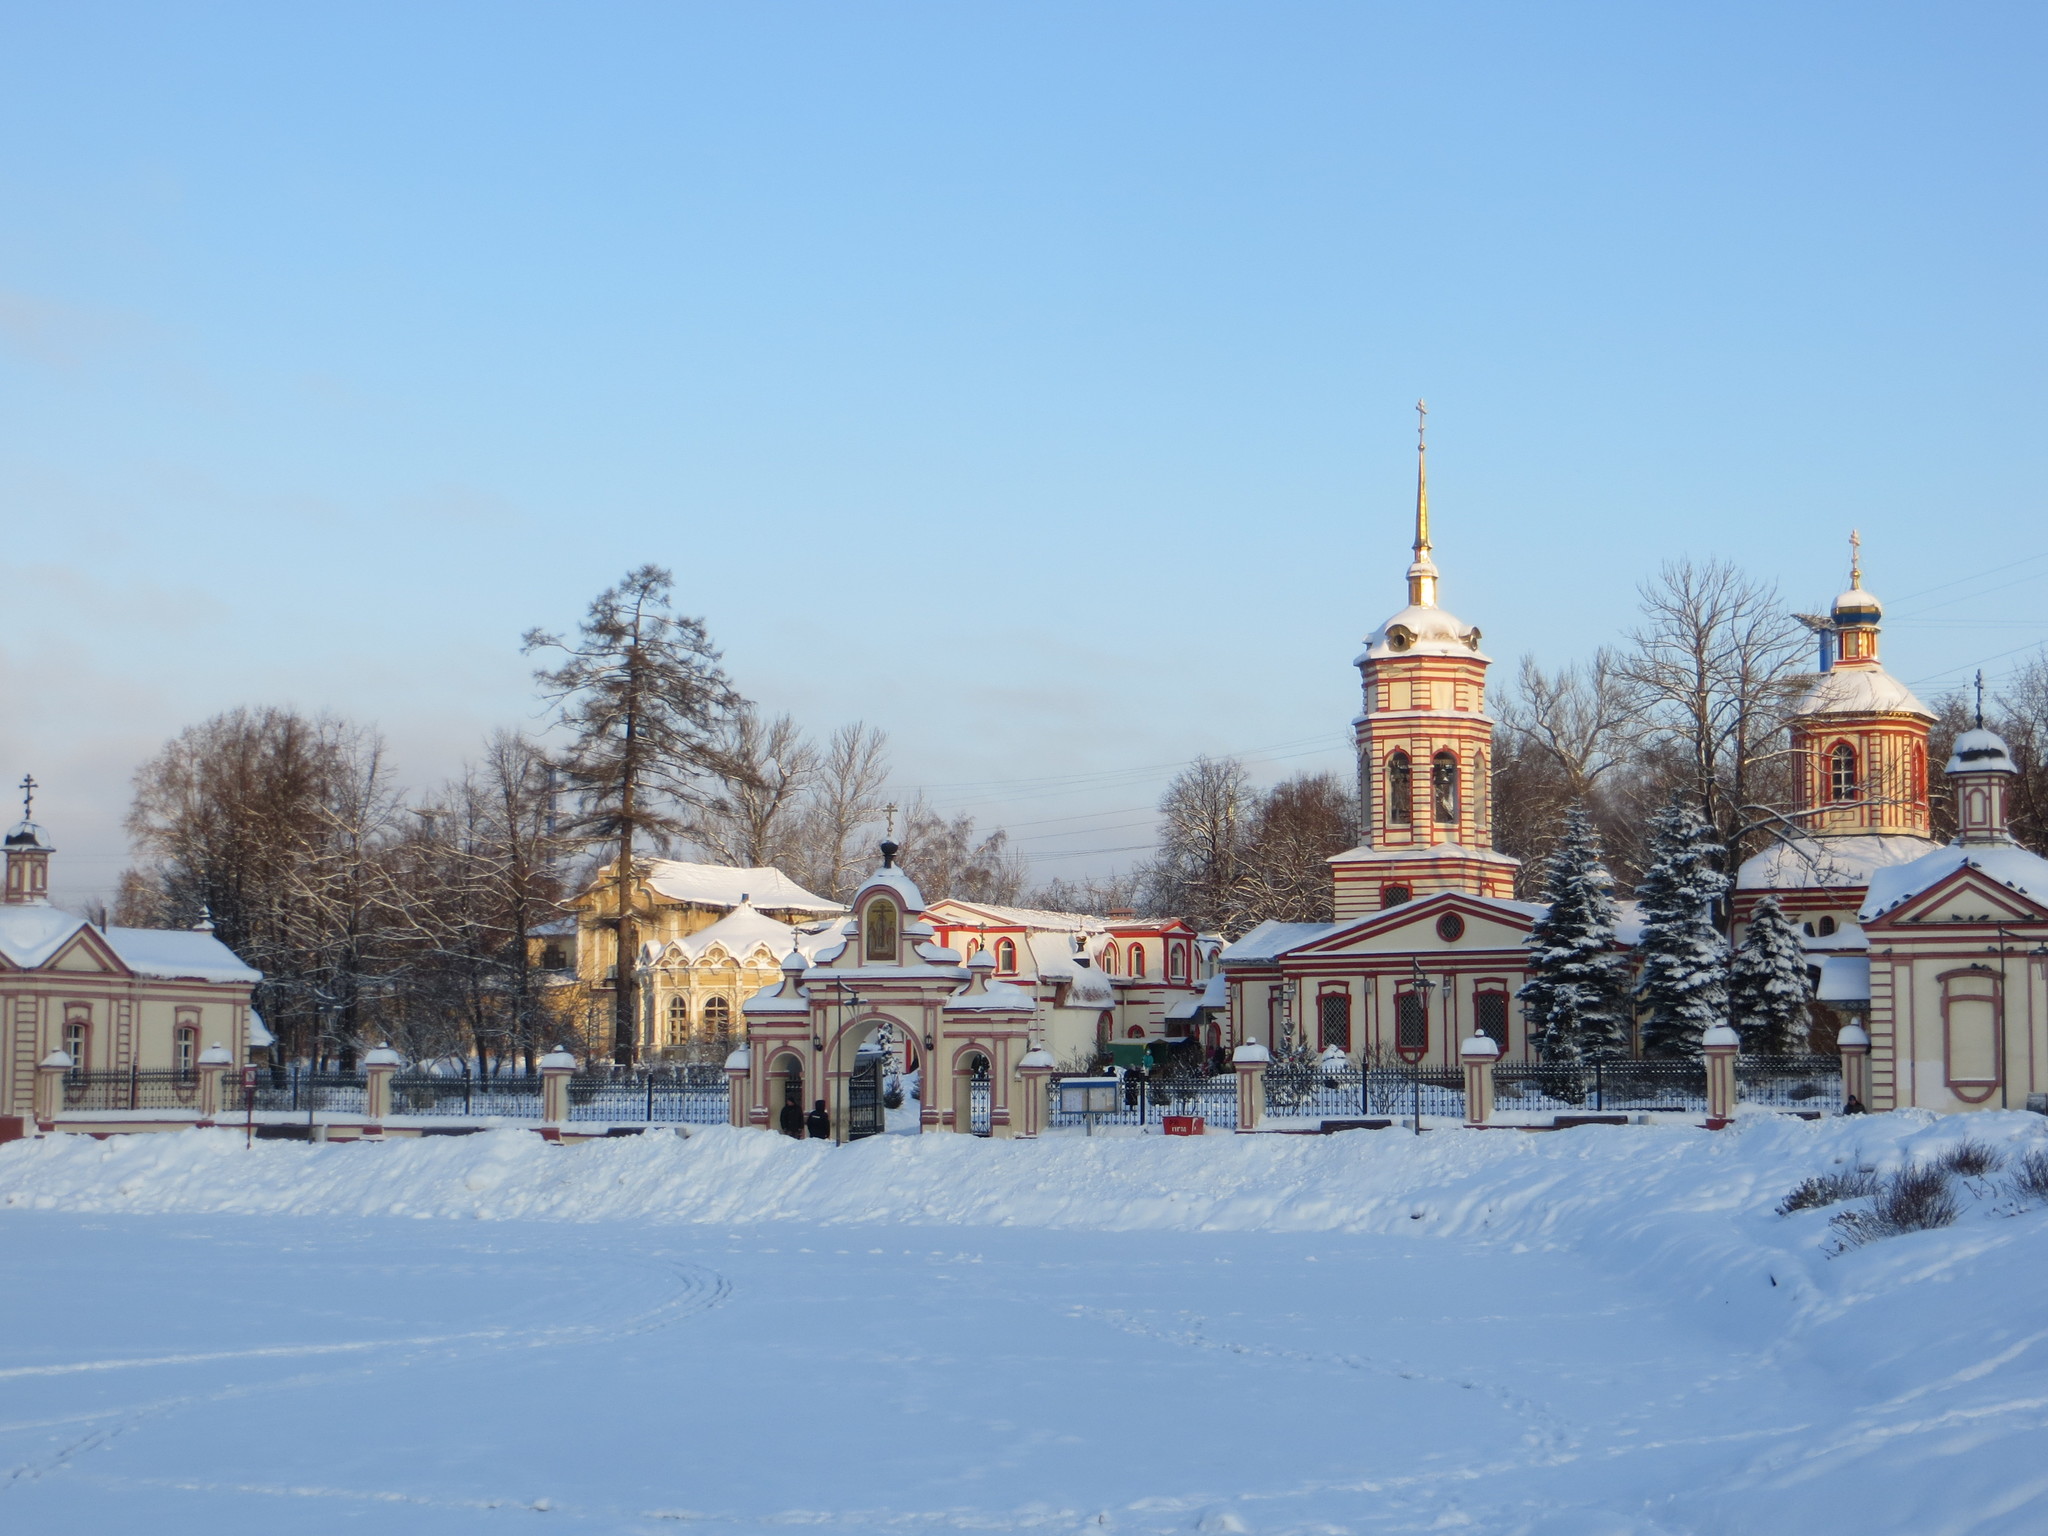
{"type": "Point", "coordinates": [1692, 1367]}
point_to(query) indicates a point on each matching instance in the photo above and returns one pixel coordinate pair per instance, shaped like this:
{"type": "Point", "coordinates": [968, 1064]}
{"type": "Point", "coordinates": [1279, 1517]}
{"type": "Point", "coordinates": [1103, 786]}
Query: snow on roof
{"type": "Point", "coordinates": [1215, 993]}
{"type": "Point", "coordinates": [1365, 854]}
{"type": "Point", "coordinates": [997, 997]}
{"type": "Point", "coordinates": [723, 885]}
{"type": "Point", "coordinates": [178, 954]}
{"type": "Point", "coordinates": [1847, 689]}
{"type": "Point", "coordinates": [1016, 917]}
{"type": "Point", "coordinates": [2011, 866]}
{"type": "Point", "coordinates": [1981, 751]}
{"type": "Point", "coordinates": [259, 1032]}
{"type": "Point", "coordinates": [1828, 863]}
{"type": "Point", "coordinates": [1844, 979]}
{"type": "Point", "coordinates": [1272, 939]}
{"type": "Point", "coordinates": [1053, 957]}
{"type": "Point", "coordinates": [889, 877]}
{"type": "Point", "coordinates": [742, 931]}
{"type": "Point", "coordinates": [1432, 631]}
{"type": "Point", "coordinates": [31, 935]}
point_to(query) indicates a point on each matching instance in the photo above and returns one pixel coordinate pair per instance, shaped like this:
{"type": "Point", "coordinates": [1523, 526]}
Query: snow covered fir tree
{"type": "Point", "coordinates": [1683, 989]}
{"type": "Point", "coordinates": [1768, 992]}
{"type": "Point", "coordinates": [1576, 998]}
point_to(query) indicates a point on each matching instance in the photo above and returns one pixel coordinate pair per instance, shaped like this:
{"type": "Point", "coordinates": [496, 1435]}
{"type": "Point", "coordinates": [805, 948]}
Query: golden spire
{"type": "Point", "coordinates": [1855, 560]}
{"type": "Point", "coordinates": [1422, 574]}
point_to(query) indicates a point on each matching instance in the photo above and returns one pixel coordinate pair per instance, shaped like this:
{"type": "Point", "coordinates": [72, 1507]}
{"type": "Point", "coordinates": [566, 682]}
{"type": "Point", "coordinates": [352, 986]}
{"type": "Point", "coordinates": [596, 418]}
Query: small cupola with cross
{"type": "Point", "coordinates": [28, 856]}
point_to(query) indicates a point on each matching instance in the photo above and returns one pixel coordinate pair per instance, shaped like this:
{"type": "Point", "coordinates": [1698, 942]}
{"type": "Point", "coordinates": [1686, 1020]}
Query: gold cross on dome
{"type": "Point", "coordinates": [1421, 425]}
{"type": "Point", "coordinates": [890, 808]}
{"type": "Point", "coordinates": [28, 794]}
{"type": "Point", "coordinates": [1855, 558]}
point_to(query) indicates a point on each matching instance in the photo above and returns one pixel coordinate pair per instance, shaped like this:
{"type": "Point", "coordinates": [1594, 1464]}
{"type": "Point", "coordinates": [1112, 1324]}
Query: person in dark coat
{"type": "Point", "coordinates": [818, 1123]}
{"type": "Point", "coordinates": [792, 1119]}
{"type": "Point", "coordinates": [1854, 1106]}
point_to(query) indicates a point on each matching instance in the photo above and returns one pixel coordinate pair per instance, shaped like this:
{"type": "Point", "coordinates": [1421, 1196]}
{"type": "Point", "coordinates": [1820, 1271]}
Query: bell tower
{"type": "Point", "coordinates": [1424, 741]}
{"type": "Point", "coordinates": [28, 856]}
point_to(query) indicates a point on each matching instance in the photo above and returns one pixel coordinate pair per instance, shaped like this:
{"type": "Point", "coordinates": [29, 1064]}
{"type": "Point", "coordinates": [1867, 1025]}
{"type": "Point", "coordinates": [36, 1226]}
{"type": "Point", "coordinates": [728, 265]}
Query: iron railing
{"type": "Point", "coordinates": [1312, 1091]}
{"type": "Point", "coordinates": [1790, 1082]}
{"type": "Point", "coordinates": [136, 1088]}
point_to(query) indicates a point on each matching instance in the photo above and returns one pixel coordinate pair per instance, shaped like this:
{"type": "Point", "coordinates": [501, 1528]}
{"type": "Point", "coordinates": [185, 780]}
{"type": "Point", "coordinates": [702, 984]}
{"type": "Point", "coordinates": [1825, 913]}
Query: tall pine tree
{"type": "Point", "coordinates": [1767, 985]}
{"type": "Point", "coordinates": [1576, 998]}
{"type": "Point", "coordinates": [1683, 990]}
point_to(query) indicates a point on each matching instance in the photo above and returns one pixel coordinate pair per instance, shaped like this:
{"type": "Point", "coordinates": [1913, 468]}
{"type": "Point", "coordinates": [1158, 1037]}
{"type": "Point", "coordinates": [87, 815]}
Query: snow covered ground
{"type": "Point", "coordinates": [1591, 1332]}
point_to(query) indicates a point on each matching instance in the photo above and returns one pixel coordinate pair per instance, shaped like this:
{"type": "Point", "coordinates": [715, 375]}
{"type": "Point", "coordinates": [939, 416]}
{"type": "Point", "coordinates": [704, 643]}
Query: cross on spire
{"type": "Point", "coordinates": [1855, 560]}
{"type": "Point", "coordinates": [1980, 698]}
{"type": "Point", "coordinates": [1421, 478]}
{"type": "Point", "coordinates": [890, 808]}
{"type": "Point", "coordinates": [28, 795]}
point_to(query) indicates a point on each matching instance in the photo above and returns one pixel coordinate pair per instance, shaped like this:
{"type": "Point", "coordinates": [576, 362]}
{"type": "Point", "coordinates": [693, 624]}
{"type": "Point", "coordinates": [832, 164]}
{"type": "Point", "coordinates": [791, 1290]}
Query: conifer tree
{"type": "Point", "coordinates": [1576, 998]}
{"type": "Point", "coordinates": [1683, 990]}
{"type": "Point", "coordinates": [1767, 986]}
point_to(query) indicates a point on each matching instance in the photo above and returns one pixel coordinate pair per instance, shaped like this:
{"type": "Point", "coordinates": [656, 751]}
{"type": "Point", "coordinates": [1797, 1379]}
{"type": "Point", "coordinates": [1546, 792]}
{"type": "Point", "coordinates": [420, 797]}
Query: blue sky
{"type": "Point", "coordinates": [1033, 381]}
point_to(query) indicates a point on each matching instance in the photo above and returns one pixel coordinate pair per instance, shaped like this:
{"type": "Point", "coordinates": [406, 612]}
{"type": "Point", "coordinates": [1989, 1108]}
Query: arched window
{"type": "Point", "coordinates": [1411, 1024]}
{"type": "Point", "coordinates": [77, 1042]}
{"type": "Point", "coordinates": [1176, 962]}
{"type": "Point", "coordinates": [1842, 772]}
{"type": "Point", "coordinates": [185, 1048]}
{"type": "Point", "coordinates": [973, 948]}
{"type": "Point", "coordinates": [1400, 791]}
{"type": "Point", "coordinates": [880, 923]}
{"type": "Point", "coordinates": [1006, 957]}
{"type": "Point", "coordinates": [1826, 926]}
{"type": "Point", "coordinates": [1490, 1015]}
{"type": "Point", "coordinates": [678, 1017]}
{"type": "Point", "coordinates": [717, 1015]}
{"type": "Point", "coordinates": [1138, 960]}
{"type": "Point", "coordinates": [1109, 960]}
{"type": "Point", "coordinates": [1443, 783]}
{"type": "Point", "coordinates": [1333, 1020]}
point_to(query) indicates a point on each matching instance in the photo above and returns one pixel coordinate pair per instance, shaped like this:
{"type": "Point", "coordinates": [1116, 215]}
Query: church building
{"type": "Point", "coordinates": [1428, 943]}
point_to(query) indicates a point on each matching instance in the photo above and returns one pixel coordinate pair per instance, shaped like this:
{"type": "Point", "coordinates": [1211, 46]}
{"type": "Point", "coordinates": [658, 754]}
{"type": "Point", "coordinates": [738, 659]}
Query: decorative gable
{"type": "Point", "coordinates": [87, 952]}
{"type": "Point", "coordinates": [1448, 922]}
{"type": "Point", "coordinates": [1964, 896]}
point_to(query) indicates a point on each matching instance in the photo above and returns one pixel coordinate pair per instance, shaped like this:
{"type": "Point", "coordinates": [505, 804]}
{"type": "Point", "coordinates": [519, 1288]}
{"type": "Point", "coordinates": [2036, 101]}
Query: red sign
{"type": "Point", "coordinates": [1181, 1125]}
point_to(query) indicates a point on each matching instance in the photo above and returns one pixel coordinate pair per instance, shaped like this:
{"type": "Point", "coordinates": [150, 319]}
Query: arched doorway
{"type": "Point", "coordinates": [973, 1093]}
{"type": "Point", "coordinates": [864, 1113]}
{"type": "Point", "coordinates": [786, 1090]}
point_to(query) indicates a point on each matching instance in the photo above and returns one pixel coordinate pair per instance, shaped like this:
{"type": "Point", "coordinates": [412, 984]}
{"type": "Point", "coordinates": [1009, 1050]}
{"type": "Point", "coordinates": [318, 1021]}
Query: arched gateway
{"type": "Point", "coordinates": [885, 1000]}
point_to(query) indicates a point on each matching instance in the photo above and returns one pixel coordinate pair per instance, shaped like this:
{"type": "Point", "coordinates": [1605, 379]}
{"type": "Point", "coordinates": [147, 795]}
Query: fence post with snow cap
{"type": "Point", "coordinates": [50, 1088]}
{"type": "Point", "coordinates": [556, 1068]}
{"type": "Point", "coordinates": [1719, 1046]}
{"type": "Point", "coordinates": [1478, 1055]}
{"type": "Point", "coordinates": [214, 1062]}
{"type": "Point", "coordinates": [1250, 1061]}
{"type": "Point", "coordinates": [1853, 1041]}
{"type": "Point", "coordinates": [1034, 1090]}
{"type": "Point", "coordinates": [739, 1067]}
{"type": "Point", "coordinates": [379, 1066]}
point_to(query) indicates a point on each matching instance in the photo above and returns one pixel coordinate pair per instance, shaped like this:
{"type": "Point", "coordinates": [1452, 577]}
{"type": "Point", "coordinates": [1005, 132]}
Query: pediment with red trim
{"type": "Point", "coordinates": [1445, 922]}
{"type": "Point", "coordinates": [1963, 896]}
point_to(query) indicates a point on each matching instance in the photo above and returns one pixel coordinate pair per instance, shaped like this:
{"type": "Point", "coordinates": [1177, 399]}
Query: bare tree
{"type": "Point", "coordinates": [947, 857]}
{"type": "Point", "coordinates": [753, 818]}
{"type": "Point", "coordinates": [1093, 895]}
{"type": "Point", "coordinates": [846, 795]}
{"type": "Point", "coordinates": [1560, 740]}
{"type": "Point", "coordinates": [1296, 827]}
{"type": "Point", "coordinates": [1714, 668]}
{"type": "Point", "coordinates": [645, 704]}
{"type": "Point", "coordinates": [1199, 869]}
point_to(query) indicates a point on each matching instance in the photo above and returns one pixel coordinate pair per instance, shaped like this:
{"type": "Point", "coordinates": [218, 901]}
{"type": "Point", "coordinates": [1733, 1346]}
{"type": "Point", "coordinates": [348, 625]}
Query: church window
{"type": "Point", "coordinates": [1177, 963]}
{"type": "Point", "coordinates": [1006, 957]}
{"type": "Point", "coordinates": [1109, 961]}
{"type": "Point", "coordinates": [1450, 927]}
{"type": "Point", "coordinates": [1400, 804]}
{"type": "Point", "coordinates": [1842, 772]}
{"type": "Point", "coordinates": [1411, 1024]}
{"type": "Point", "coordinates": [1138, 960]}
{"type": "Point", "coordinates": [1333, 1019]}
{"type": "Point", "coordinates": [678, 1017]}
{"type": "Point", "coordinates": [880, 926]}
{"type": "Point", "coordinates": [552, 958]}
{"type": "Point", "coordinates": [185, 1049]}
{"type": "Point", "coordinates": [717, 1015]}
{"type": "Point", "coordinates": [1481, 791]}
{"type": "Point", "coordinates": [1971, 1016]}
{"type": "Point", "coordinates": [1826, 926]}
{"type": "Point", "coordinates": [77, 1039]}
{"type": "Point", "coordinates": [1490, 1015]}
{"type": "Point", "coordinates": [1393, 895]}
{"type": "Point", "coordinates": [1443, 779]}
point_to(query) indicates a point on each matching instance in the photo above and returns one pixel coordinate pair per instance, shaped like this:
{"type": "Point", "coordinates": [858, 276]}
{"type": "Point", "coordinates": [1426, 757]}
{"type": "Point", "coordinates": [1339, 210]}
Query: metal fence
{"type": "Point", "coordinates": [695, 1094]}
{"type": "Point", "coordinates": [1790, 1082]}
{"type": "Point", "coordinates": [1778, 1082]}
{"type": "Point", "coordinates": [1147, 1098]}
{"type": "Point", "coordinates": [302, 1091]}
{"type": "Point", "coordinates": [1312, 1091]}
{"type": "Point", "coordinates": [133, 1089]}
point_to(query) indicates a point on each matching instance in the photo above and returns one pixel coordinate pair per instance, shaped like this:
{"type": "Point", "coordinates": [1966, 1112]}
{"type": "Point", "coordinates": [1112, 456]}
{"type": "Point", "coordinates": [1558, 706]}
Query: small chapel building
{"type": "Point", "coordinates": [107, 1000]}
